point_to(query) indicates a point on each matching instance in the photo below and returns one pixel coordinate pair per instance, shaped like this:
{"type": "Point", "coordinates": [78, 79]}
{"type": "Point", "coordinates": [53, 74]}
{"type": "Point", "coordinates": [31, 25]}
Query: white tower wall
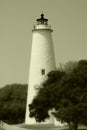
{"type": "Point", "coordinates": [42, 58]}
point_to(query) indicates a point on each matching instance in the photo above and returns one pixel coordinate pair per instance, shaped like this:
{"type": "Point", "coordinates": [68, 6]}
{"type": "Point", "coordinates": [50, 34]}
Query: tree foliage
{"type": "Point", "coordinates": [66, 93]}
{"type": "Point", "coordinates": [13, 103]}
{"type": "Point", "coordinates": [44, 100]}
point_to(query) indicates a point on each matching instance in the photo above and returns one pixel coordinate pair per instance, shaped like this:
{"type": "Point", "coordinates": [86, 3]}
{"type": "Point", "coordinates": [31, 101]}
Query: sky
{"type": "Point", "coordinates": [68, 19]}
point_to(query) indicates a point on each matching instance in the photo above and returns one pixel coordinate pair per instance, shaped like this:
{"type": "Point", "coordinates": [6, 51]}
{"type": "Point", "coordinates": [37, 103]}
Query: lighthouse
{"type": "Point", "coordinates": [41, 63]}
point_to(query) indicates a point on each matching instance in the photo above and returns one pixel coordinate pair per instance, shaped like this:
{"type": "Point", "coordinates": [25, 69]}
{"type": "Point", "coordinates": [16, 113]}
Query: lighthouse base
{"type": "Point", "coordinates": [32, 121]}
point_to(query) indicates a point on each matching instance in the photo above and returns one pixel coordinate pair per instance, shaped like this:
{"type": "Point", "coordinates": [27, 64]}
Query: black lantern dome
{"type": "Point", "coordinates": [42, 20]}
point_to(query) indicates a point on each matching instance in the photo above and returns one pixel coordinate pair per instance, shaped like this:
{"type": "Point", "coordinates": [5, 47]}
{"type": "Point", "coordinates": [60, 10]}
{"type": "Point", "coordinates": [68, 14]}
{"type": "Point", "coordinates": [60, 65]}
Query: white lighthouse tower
{"type": "Point", "coordinates": [42, 61]}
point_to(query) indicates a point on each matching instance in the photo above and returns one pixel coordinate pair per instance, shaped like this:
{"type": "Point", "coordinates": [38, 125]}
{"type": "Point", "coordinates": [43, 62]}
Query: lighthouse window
{"type": "Point", "coordinates": [43, 71]}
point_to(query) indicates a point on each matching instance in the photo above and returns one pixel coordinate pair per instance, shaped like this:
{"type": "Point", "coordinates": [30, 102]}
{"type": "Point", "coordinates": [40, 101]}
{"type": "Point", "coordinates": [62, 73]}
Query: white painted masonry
{"type": "Point", "coordinates": [42, 58]}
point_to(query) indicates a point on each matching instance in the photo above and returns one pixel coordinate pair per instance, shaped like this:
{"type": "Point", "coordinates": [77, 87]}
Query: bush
{"type": "Point", "coordinates": [13, 103]}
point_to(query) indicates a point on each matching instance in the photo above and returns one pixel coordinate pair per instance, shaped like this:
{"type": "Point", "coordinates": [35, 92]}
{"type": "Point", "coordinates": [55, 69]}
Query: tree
{"type": "Point", "coordinates": [66, 93]}
{"type": "Point", "coordinates": [45, 97]}
{"type": "Point", "coordinates": [68, 67]}
{"type": "Point", "coordinates": [13, 103]}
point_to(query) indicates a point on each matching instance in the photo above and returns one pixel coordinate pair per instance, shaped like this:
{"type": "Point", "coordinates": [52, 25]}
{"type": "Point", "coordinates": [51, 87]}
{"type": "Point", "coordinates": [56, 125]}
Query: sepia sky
{"type": "Point", "coordinates": [68, 19]}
